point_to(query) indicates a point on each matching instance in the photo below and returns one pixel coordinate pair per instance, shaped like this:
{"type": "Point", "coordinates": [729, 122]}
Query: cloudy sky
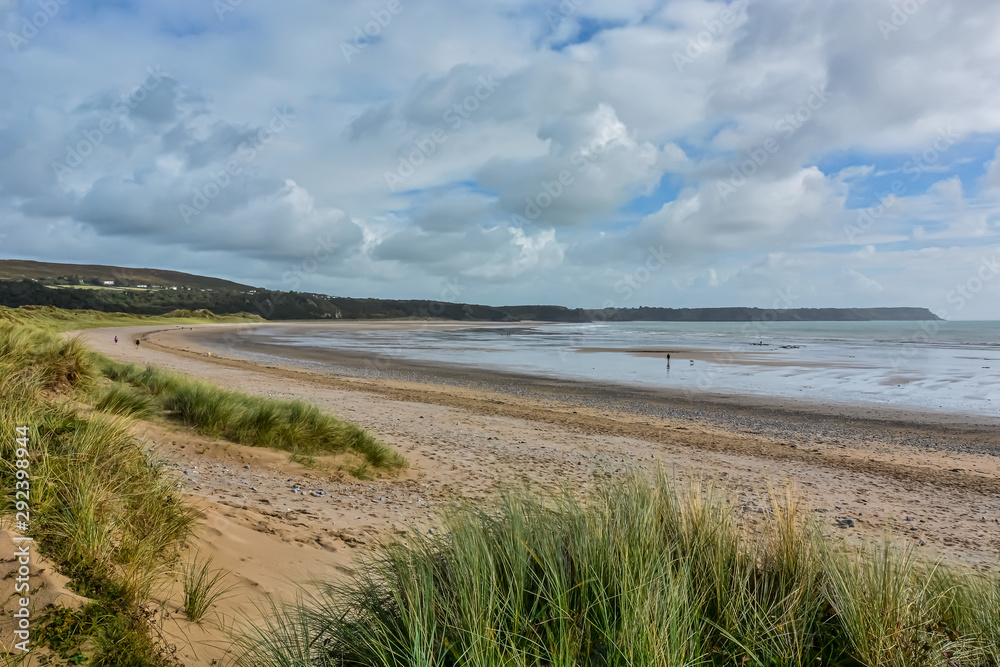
{"type": "Point", "coordinates": [589, 153]}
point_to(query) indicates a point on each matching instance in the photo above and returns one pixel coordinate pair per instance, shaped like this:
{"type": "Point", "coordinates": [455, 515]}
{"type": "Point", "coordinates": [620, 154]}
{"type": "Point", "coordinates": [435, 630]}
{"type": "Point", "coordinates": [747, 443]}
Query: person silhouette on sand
{"type": "Point", "coordinates": [116, 340]}
{"type": "Point", "coordinates": [137, 343]}
{"type": "Point", "coordinates": [668, 362]}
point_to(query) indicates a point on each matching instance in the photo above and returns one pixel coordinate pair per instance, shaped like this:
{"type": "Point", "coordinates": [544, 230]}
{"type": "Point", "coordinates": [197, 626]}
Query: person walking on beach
{"type": "Point", "coordinates": [116, 340]}
{"type": "Point", "coordinates": [668, 362]}
{"type": "Point", "coordinates": [137, 343]}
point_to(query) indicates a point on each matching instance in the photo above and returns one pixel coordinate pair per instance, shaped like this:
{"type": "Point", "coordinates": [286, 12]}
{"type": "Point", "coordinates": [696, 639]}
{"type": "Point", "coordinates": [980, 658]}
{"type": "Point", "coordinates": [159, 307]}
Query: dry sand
{"type": "Point", "coordinates": [931, 481]}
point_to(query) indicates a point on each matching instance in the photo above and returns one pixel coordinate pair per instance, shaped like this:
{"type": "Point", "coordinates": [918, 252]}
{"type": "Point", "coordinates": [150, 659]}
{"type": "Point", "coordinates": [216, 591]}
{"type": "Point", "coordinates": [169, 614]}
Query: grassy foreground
{"type": "Point", "coordinates": [106, 514]}
{"type": "Point", "coordinates": [60, 319]}
{"type": "Point", "coordinates": [100, 508]}
{"type": "Point", "coordinates": [638, 576]}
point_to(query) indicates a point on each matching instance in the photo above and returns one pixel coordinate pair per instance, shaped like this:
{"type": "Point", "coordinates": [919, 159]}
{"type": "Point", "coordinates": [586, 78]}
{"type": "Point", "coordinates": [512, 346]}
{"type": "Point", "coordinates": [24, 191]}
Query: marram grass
{"type": "Point", "coordinates": [202, 587]}
{"type": "Point", "coordinates": [121, 400]}
{"type": "Point", "coordinates": [101, 509]}
{"type": "Point", "coordinates": [106, 514]}
{"type": "Point", "coordinates": [292, 426]}
{"type": "Point", "coordinates": [55, 319]}
{"type": "Point", "coordinates": [56, 363]}
{"type": "Point", "coordinates": [638, 575]}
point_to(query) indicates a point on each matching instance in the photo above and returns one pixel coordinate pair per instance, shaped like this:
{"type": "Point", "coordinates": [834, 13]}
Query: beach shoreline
{"type": "Point", "coordinates": [879, 432]}
{"type": "Point", "coordinates": [469, 434]}
{"type": "Point", "coordinates": [219, 339]}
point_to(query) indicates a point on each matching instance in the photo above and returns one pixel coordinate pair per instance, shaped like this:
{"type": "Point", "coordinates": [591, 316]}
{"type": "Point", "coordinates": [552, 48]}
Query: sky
{"type": "Point", "coordinates": [589, 153]}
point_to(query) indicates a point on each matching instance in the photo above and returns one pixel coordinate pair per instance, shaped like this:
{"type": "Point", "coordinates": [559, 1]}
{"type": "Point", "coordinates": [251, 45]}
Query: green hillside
{"type": "Point", "coordinates": [73, 274]}
{"type": "Point", "coordinates": [156, 292]}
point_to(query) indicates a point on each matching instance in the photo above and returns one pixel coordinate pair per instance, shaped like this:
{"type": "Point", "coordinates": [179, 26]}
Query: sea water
{"type": "Point", "coordinates": [940, 366]}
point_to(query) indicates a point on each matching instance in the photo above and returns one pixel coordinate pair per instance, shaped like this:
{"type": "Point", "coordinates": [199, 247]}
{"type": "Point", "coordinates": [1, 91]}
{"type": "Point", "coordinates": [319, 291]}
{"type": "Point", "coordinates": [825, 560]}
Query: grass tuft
{"type": "Point", "coordinates": [60, 364]}
{"type": "Point", "coordinates": [122, 400]}
{"type": "Point", "coordinates": [202, 588]}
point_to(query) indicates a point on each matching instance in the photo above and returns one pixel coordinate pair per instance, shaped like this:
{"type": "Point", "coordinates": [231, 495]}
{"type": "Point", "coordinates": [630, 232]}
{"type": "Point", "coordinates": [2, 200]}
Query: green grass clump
{"type": "Point", "coordinates": [307, 460]}
{"type": "Point", "coordinates": [57, 363]}
{"type": "Point", "coordinates": [110, 511]}
{"type": "Point", "coordinates": [292, 426]}
{"type": "Point", "coordinates": [123, 400]}
{"type": "Point", "coordinates": [149, 378]}
{"type": "Point", "coordinates": [98, 634]}
{"type": "Point", "coordinates": [106, 514]}
{"type": "Point", "coordinates": [638, 575]}
{"type": "Point", "coordinates": [203, 587]}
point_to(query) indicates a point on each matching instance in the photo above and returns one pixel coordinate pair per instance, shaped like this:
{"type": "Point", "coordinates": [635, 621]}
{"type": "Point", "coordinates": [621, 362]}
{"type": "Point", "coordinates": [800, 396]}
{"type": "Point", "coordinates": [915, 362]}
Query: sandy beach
{"type": "Point", "coordinates": [931, 480]}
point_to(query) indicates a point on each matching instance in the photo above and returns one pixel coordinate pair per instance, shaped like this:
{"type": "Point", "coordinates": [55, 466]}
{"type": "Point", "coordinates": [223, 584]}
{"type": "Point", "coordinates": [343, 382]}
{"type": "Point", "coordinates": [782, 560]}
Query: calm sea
{"type": "Point", "coordinates": [943, 366]}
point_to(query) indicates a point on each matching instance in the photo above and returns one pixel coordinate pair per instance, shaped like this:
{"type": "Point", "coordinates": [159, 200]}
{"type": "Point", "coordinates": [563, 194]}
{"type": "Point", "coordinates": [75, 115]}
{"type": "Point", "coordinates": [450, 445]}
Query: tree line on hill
{"type": "Point", "coordinates": [275, 305]}
{"type": "Point", "coordinates": [272, 305]}
{"type": "Point", "coordinates": [51, 273]}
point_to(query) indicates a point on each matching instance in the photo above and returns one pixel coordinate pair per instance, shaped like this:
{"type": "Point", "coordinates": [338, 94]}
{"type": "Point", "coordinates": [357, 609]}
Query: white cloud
{"type": "Point", "coordinates": [993, 173]}
{"type": "Point", "coordinates": [590, 167]}
{"type": "Point", "coordinates": [857, 171]}
{"type": "Point", "coordinates": [861, 282]}
{"type": "Point", "coordinates": [598, 95]}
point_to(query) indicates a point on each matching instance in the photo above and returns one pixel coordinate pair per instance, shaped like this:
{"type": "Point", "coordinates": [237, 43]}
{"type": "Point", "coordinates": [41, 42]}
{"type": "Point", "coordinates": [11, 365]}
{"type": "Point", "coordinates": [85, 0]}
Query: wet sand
{"type": "Point", "coordinates": [761, 354]}
{"type": "Point", "coordinates": [240, 342]}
